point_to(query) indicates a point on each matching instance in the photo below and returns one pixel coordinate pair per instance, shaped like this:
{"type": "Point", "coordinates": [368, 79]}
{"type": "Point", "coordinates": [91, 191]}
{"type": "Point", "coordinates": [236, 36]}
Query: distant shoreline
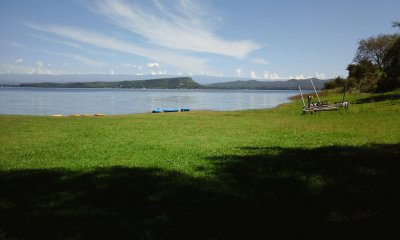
{"type": "Point", "coordinates": [181, 83]}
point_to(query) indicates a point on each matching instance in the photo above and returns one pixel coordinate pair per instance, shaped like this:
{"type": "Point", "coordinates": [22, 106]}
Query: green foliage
{"type": "Point", "coordinates": [392, 69]}
{"type": "Point", "coordinates": [365, 76]}
{"type": "Point", "coordinates": [373, 49]}
{"type": "Point", "coordinates": [376, 65]}
{"type": "Point", "coordinates": [360, 70]}
{"type": "Point", "coordinates": [335, 83]}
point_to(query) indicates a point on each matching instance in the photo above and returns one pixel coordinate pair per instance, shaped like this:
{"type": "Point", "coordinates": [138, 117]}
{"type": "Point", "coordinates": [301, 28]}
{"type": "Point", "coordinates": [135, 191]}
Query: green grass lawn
{"type": "Point", "coordinates": [203, 175]}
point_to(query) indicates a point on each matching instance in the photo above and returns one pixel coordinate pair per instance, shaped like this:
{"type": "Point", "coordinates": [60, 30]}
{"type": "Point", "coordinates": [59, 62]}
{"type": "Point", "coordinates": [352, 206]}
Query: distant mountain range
{"type": "Point", "coordinates": [163, 83]}
{"type": "Point", "coordinates": [269, 85]}
{"type": "Point", "coordinates": [103, 81]}
{"type": "Point", "coordinates": [14, 79]}
{"type": "Point", "coordinates": [66, 78]}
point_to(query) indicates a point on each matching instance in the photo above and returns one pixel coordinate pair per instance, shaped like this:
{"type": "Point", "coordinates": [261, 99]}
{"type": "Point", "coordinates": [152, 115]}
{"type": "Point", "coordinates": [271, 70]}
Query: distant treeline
{"type": "Point", "coordinates": [186, 83]}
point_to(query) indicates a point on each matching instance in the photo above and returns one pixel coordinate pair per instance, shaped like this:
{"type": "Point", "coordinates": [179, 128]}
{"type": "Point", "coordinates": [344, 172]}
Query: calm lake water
{"type": "Point", "coordinates": [48, 101]}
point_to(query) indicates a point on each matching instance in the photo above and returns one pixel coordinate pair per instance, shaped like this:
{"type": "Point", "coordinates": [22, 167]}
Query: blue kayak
{"type": "Point", "coordinates": [166, 110]}
{"type": "Point", "coordinates": [157, 110]}
{"type": "Point", "coordinates": [170, 110]}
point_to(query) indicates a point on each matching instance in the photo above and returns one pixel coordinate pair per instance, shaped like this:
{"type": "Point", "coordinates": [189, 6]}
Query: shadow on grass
{"type": "Point", "coordinates": [257, 194]}
{"type": "Point", "coordinates": [379, 98]}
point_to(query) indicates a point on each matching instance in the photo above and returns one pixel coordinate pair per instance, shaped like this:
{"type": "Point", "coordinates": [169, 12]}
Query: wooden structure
{"type": "Point", "coordinates": [313, 107]}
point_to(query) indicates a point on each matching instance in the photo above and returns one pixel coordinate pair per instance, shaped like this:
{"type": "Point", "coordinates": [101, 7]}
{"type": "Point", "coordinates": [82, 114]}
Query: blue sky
{"type": "Point", "coordinates": [263, 39]}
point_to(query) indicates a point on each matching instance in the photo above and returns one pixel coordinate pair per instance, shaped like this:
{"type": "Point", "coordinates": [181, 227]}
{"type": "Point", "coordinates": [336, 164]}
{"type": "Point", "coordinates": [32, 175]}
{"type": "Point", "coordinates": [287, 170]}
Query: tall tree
{"type": "Point", "coordinates": [373, 49]}
{"type": "Point", "coordinates": [391, 61]}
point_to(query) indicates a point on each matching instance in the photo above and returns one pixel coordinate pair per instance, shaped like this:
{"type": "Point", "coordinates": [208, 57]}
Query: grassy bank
{"type": "Point", "coordinates": [205, 175]}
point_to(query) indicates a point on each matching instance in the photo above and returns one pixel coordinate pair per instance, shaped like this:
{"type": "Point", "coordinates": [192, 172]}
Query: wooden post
{"type": "Point", "coordinates": [345, 89]}
{"type": "Point", "coordinates": [359, 86]}
{"type": "Point", "coordinates": [309, 101]}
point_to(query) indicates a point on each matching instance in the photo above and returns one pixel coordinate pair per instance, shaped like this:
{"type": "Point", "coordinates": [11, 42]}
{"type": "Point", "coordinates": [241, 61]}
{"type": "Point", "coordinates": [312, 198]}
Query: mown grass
{"type": "Point", "coordinates": [203, 175]}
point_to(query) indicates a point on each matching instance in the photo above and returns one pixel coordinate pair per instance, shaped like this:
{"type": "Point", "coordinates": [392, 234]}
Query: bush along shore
{"type": "Point", "coordinates": [204, 175]}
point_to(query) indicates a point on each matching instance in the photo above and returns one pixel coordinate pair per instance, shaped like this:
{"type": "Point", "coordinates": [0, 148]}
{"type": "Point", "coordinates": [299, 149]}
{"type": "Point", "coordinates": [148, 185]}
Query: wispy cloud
{"type": "Point", "coordinates": [19, 60]}
{"type": "Point", "coordinates": [179, 25]}
{"type": "Point", "coordinates": [57, 41]}
{"type": "Point", "coordinates": [66, 43]}
{"type": "Point", "coordinates": [85, 60]}
{"type": "Point", "coordinates": [187, 63]}
{"type": "Point", "coordinates": [77, 57]}
{"type": "Point", "coordinates": [260, 61]}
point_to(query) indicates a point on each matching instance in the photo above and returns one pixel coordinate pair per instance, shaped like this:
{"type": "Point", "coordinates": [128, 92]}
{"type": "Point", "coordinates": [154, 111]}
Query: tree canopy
{"type": "Point", "coordinates": [392, 66]}
{"type": "Point", "coordinates": [376, 65]}
{"type": "Point", "coordinates": [373, 49]}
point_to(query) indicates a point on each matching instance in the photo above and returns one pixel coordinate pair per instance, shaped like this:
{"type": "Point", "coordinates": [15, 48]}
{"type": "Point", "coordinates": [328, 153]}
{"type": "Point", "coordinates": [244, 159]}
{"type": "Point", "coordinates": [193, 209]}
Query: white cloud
{"type": "Point", "coordinates": [112, 72]}
{"type": "Point", "coordinates": [253, 75]}
{"type": "Point", "coordinates": [187, 63]}
{"type": "Point", "coordinates": [39, 66]}
{"type": "Point", "coordinates": [297, 77]}
{"type": "Point", "coordinates": [239, 72]}
{"type": "Point", "coordinates": [153, 65]}
{"type": "Point", "coordinates": [40, 69]}
{"type": "Point", "coordinates": [271, 76]}
{"type": "Point", "coordinates": [19, 60]}
{"type": "Point", "coordinates": [179, 25]}
{"type": "Point", "coordinates": [320, 75]}
{"type": "Point", "coordinates": [260, 61]}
